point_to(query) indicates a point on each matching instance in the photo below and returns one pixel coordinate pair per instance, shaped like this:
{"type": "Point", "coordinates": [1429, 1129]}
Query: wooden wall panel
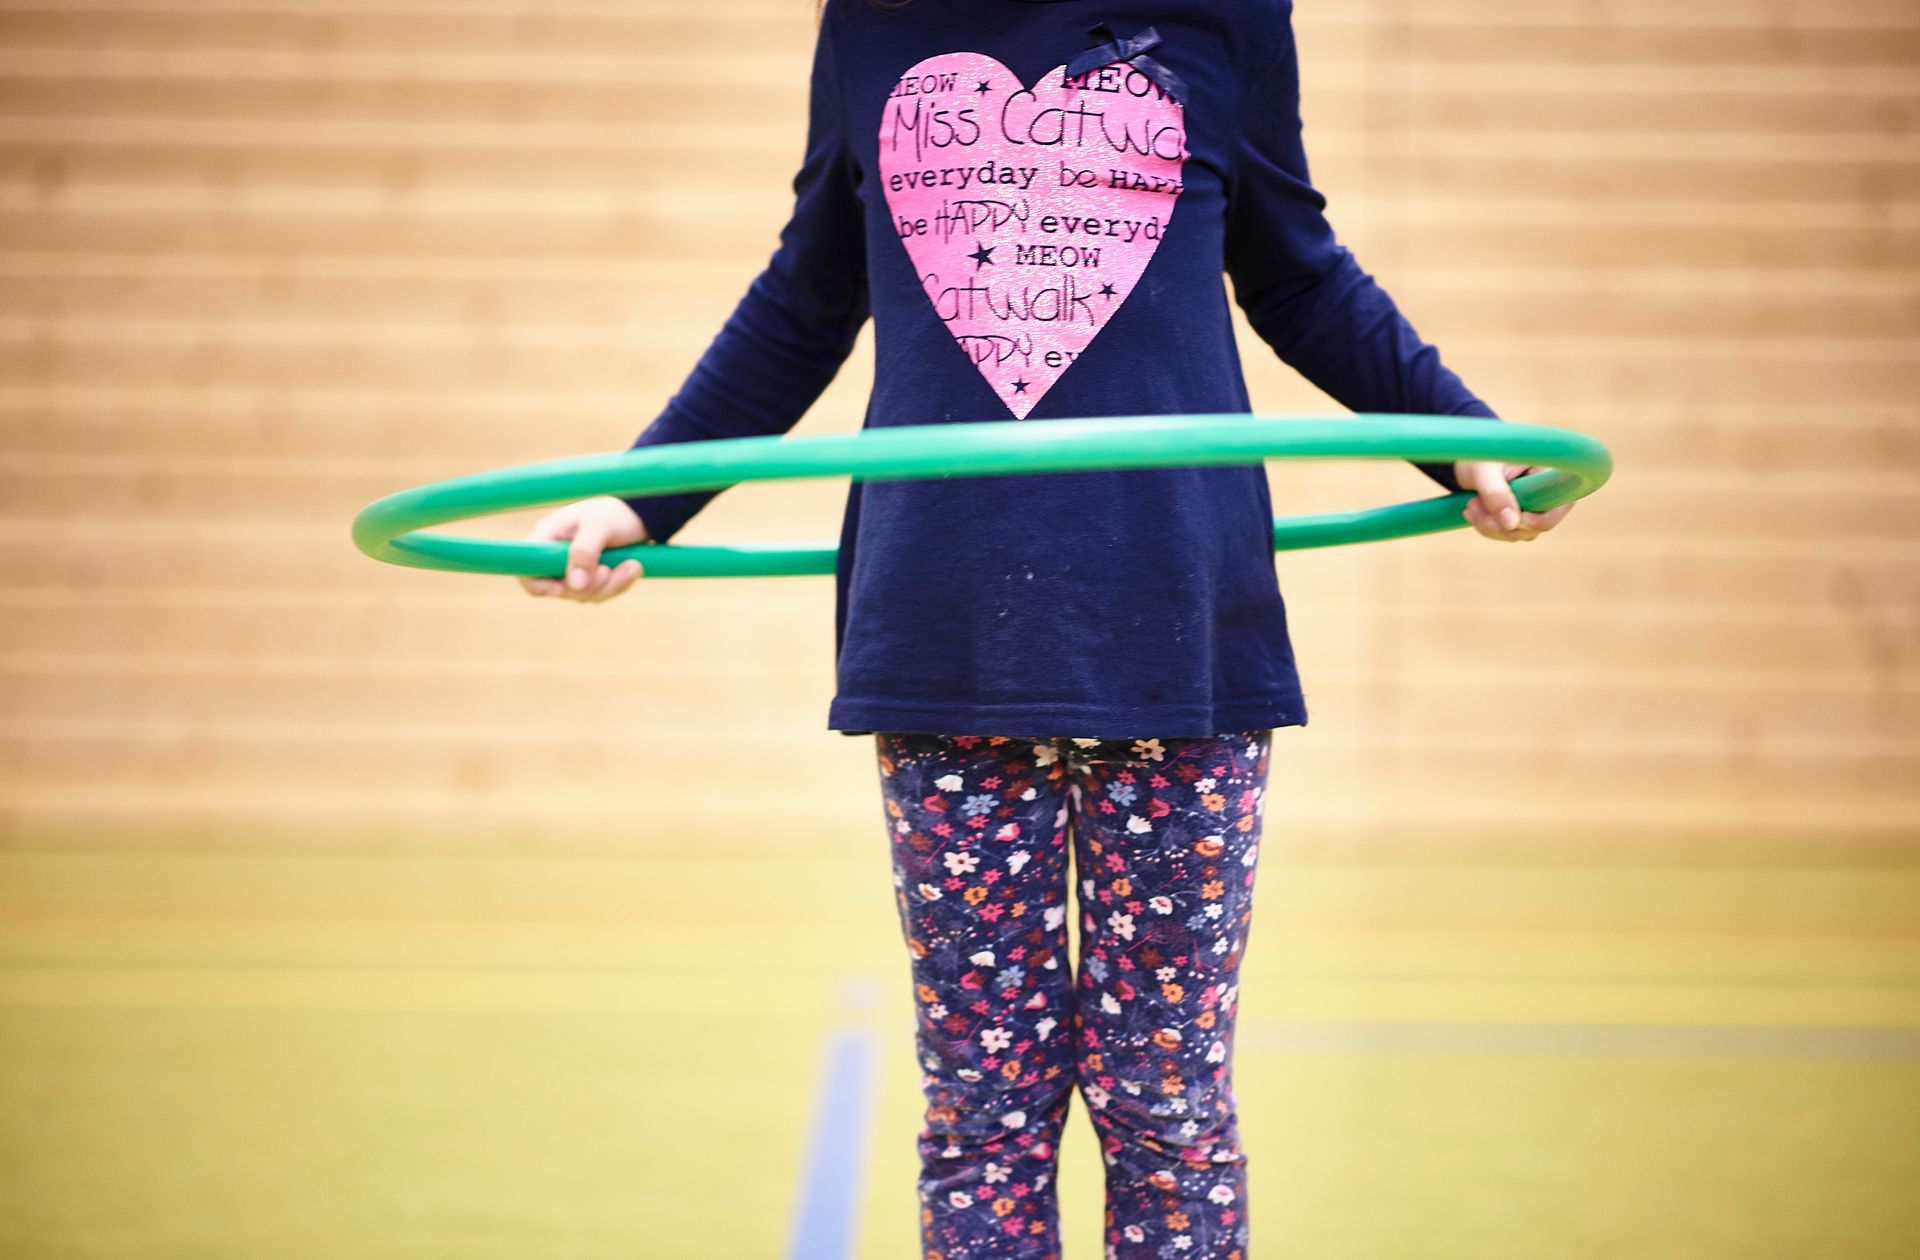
{"type": "Point", "coordinates": [261, 262]}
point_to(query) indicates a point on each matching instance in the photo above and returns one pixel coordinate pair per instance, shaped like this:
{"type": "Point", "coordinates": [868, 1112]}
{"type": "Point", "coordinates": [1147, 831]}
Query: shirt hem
{"type": "Point", "coordinates": [852, 716]}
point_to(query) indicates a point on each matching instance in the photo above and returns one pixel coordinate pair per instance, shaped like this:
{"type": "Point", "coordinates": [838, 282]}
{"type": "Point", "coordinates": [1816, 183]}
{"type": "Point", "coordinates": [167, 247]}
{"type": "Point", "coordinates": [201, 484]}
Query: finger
{"type": "Point", "coordinates": [606, 590]}
{"type": "Point", "coordinates": [1476, 514]}
{"type": "Point", "coordinates": [557, 525]}
{"type": "Point", "coordinates": [1496, 495]}
{"type": "Point", "coordinates": [1535, 520]}
{"type": "Point", "coordinates": [624, 575]}
{"type": "Point", "coordinates": [584, 555]}
{"type": "Point", "coordinates": [1485, 523]}
{"type": "Point", "coordinates": [1549, 518]}
{"type": "Point", "coordinates": [1525, 530]}
{"type": "Point", "coordinates": [597, 575]}
{"type": "Point", "coordinates": [541, 586]}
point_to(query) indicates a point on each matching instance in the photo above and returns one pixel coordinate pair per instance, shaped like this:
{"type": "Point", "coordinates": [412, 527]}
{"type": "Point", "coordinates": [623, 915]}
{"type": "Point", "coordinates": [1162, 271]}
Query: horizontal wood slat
{"type": "Point", "coordinates": [262, 260]}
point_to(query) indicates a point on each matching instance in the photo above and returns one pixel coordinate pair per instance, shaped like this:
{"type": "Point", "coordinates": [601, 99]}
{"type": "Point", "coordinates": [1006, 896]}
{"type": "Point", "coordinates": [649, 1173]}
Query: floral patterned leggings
{"type": "Point", "coordinates": [1164, 838]}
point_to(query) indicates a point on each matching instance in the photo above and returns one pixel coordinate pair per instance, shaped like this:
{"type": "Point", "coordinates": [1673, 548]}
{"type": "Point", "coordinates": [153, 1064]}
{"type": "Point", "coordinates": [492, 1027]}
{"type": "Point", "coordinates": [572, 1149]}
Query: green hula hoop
{"type": "Point", "coordinates": [392, 529]}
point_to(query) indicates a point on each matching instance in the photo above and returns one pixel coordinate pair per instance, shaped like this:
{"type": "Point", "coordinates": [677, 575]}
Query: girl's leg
{"type": "Point", "coordinates": [1166, 835]}
{"type": "Point", "coordinates": [980, 851]}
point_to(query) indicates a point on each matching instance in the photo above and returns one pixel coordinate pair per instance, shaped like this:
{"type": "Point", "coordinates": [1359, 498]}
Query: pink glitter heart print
{"type": "Point", "coordinates": [1029, 213]}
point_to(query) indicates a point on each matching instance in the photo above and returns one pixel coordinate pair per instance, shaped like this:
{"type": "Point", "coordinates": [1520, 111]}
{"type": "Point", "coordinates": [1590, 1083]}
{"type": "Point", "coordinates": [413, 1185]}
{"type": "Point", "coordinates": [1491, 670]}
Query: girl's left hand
{"type": "Point", "coordinates": [1494, 510]}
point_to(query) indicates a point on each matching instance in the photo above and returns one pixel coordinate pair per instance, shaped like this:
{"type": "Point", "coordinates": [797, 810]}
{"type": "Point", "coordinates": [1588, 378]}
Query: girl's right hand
{"type": "Point", "coordinates": [591, 526]}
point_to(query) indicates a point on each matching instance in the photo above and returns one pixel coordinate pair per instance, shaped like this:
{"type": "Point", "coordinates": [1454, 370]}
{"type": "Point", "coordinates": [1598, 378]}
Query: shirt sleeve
{"type": "Point", "coordinates": [1303, 292]}
{"type": "Point", "coordinates": [797, 323]}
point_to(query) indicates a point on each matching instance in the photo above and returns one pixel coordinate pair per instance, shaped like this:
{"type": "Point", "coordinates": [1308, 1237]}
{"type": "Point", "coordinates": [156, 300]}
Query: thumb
{"type": "Point", "coordinates": [1489, 481]}
{"type": "Point", "coordinates": [583, 554]}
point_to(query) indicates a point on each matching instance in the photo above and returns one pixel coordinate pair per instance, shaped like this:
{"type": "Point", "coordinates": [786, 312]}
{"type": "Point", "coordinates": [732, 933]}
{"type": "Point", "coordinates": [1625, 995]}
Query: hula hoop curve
{"type": "Point", "coordinates": [391, 529]}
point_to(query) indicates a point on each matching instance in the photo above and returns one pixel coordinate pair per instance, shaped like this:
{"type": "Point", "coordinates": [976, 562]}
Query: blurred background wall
{"type": "Point", "coordinates": [263, 802]}
{"type": "Point", "coordinates": [265, 262]}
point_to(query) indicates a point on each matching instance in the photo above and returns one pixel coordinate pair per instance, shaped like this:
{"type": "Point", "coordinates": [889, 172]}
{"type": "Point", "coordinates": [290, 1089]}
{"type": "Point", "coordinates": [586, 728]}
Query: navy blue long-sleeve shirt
{"type": "Point", "coordinates": [1033, 244]}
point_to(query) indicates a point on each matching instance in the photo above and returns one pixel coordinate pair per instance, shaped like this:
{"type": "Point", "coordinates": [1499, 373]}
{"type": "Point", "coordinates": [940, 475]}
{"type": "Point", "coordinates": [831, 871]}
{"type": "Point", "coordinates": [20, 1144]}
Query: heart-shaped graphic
{"type": "Point", "coordinates": [1029, 212]}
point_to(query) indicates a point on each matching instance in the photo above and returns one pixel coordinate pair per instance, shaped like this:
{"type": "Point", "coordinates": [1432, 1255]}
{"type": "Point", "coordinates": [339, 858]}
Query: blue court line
{"type": "Point", "coordinates": [828, 1208]}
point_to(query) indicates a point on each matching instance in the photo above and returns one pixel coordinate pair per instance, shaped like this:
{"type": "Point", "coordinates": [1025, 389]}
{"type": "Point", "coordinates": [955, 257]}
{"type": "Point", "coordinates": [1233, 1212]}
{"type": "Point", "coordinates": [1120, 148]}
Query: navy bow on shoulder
{"type": "Point", "coordinates": [1133, 50]}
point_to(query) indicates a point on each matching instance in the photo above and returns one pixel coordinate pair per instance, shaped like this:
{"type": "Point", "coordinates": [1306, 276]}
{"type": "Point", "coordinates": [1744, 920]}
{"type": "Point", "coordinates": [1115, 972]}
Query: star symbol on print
{"type": "Point", "coordinates": [1010, 322]}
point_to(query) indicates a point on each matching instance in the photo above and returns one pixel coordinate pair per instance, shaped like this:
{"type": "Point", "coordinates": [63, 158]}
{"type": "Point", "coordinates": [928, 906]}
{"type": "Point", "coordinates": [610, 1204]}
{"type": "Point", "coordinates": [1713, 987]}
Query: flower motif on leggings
{"type": "Point", "coordinates": [1165, 833]}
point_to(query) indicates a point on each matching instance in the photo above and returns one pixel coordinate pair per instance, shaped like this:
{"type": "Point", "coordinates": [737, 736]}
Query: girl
{"type": "Point", "coordinates": [1035, 201]}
